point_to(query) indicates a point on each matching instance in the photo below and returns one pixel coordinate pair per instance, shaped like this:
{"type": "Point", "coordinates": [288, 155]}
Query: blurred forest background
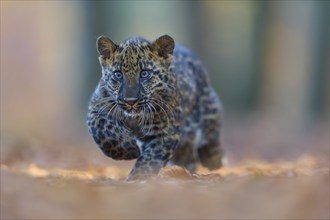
{"type": "Point", "coordinates": [268, 60]}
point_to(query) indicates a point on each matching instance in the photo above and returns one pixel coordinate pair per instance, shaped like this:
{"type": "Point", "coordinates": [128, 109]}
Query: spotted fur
{"type": "Point", "coordinates": [154, 103]}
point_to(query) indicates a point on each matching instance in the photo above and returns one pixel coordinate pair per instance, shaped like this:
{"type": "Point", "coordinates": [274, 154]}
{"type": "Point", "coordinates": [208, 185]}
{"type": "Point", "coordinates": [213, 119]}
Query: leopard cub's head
{"type": "Point", "coordinates": [135, 74]}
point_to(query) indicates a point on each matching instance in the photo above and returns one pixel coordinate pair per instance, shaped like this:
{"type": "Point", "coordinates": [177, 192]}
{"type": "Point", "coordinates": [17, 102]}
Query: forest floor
{"type": "Point", "coordinates": [78, 182]}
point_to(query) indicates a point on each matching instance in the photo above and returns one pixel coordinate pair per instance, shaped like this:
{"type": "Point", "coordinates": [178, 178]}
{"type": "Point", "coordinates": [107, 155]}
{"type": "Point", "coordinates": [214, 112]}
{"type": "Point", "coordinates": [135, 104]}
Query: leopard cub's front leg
{"type": "Point", "coordinates": [113, 141]}
{"type": "Point", "coordinates": [155, 155]}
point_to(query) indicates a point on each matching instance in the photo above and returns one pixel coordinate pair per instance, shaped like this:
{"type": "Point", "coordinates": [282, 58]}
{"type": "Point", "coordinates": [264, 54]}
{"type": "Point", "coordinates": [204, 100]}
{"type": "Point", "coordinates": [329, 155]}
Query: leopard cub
{"type": "Point", "coordinates": [154, 103]}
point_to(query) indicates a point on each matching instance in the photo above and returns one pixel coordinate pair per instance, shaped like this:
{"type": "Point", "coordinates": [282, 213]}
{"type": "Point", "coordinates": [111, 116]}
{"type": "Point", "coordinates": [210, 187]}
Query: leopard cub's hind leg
{"type": "Point", "coordinates": [209, 150]}
{"type": "Point", "coordinates": [211, 155]}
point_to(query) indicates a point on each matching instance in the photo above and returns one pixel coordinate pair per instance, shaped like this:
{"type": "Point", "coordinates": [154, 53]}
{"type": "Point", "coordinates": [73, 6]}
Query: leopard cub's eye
{"type": "Point", "coordinates": [145, 74]}
{"type": "Point", "coordinates": [118, 75]}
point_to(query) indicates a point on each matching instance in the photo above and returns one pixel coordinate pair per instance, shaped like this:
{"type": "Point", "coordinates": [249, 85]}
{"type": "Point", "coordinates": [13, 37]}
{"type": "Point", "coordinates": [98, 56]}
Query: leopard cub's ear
{"type": "Point", "coordinates": [163, 47]}
{"type": "Point", "coordinates": [105, 47]}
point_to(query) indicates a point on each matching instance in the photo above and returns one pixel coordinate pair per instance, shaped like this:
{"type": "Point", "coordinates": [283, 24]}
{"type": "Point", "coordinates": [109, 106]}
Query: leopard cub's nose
{"type": "Point", "coordinates": [130, 101]}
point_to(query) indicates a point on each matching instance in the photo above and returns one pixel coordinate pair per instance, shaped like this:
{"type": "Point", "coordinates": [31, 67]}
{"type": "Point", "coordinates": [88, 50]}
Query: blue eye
{"type": "Point", "coordinates": [145, 74]}
{"type": "Point", "coordinates": [118, 75]}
